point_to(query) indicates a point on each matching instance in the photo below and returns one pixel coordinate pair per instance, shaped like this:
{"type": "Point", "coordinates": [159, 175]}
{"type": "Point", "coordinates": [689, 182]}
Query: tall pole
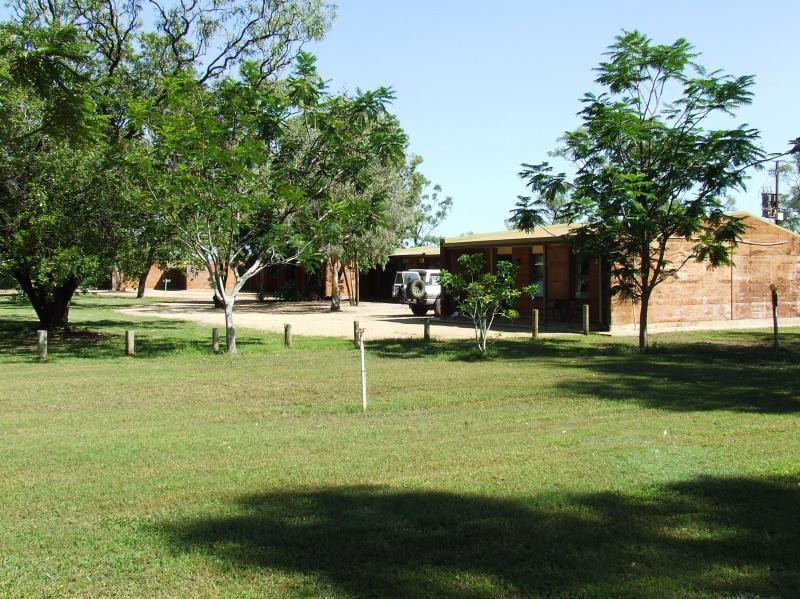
{"type": "Point", "coordinates": [774, 290]}
{"type": "Point", "coordinates": [777, 208]}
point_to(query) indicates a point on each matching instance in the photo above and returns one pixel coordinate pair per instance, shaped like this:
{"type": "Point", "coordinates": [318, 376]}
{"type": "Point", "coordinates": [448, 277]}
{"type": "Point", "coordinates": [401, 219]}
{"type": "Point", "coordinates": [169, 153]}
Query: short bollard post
{"type": "Point", "coordinates": [287, 335]}
{"type": "Point", "coordinates": [535, 323]}
{"type": "Point", "coordinates": [355, 332]}
{"type": "Point", "coordinates": [773, 288]}
{"type": "Point", "coordinates": [129, 343]}
{"type": "Point", "coordinates": [360, 334]}
{"type": "Point", "coordinates": [215, 339]}
{"type": "Point", "coordinates": [41, 348]}
{"type": "Point", "coordinates": [427, 329]}
{"type": "Point", "coordinates": [585, 319]}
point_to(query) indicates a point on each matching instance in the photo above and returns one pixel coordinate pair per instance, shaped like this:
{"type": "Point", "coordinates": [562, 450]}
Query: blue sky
{"type": "Point", "coordinates": [484, 86]}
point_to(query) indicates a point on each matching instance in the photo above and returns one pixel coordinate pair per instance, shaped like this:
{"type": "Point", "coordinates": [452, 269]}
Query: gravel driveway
{"type": "Point", "coordinates": [381, 320]}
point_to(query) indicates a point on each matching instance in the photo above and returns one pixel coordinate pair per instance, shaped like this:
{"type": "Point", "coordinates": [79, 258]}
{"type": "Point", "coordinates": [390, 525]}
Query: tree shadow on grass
{"type": "Point", "coordinates": [105, 339]}
{"type": "Point", "coordinates": [680, 385]}
{"type": "Point", "coordinates": [711, 535]}
{"type": "Point", "coordinates": [466, 350]}
{"type": "Point", "coordinates": [737, 371]}
{"type": "Point", "coordinates": [741, 372]}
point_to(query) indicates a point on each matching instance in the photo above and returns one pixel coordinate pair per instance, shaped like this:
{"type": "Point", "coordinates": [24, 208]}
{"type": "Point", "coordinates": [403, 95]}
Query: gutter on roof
{"type": "Point", "coordinates": [501, 242]}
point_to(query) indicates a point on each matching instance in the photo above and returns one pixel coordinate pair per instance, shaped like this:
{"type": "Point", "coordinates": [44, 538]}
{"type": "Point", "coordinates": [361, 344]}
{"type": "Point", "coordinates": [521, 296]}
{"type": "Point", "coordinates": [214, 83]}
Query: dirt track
{"type": "Point", "coordinates": [381, 320]}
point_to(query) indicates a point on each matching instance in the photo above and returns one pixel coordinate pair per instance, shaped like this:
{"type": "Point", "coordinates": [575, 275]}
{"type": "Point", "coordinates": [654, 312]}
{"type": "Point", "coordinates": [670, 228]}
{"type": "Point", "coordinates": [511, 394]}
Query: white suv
{"type": "Point", "coordinates": [420, 289]}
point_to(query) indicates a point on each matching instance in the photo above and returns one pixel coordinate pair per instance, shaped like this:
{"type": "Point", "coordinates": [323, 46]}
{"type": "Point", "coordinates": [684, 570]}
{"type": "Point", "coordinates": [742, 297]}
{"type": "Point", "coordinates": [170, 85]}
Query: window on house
{"type": "Point", "coordinates": [581, 280]}
{"type": "Point", "coordinates": [502, 254]}
{"type": "Point", "coordinates": [537, 273]}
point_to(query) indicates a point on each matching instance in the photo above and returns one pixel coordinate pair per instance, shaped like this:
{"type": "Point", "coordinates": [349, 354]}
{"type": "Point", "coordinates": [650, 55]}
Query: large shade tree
{"type": "Point", "coordinates": [649, 168]}
{"type": "Point", "coordinates": [70, 68]}
{"type": "Point", "coordinates": [52, 158]}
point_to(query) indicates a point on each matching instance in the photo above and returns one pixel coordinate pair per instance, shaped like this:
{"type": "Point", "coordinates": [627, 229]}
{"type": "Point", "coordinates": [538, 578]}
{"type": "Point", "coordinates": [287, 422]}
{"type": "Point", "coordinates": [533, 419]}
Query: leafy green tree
{"type": "Point", "coordinates": [431, 208]}
{"type": "Point", "coordinates": [790, 201]}
{"type": "Point", "coordinates": [69, 74]}
{"type": "Point", "coordinates": [550, 205]}
{"type": "Point", "coordinates": [246, 170]}
{"type": "Point", "coordinates": [376, 220]}
{"type": "Point", "coordinates": [647, 168]}
{"type": "Point", "coordinates": [484, 296]}
{"type": "Point", "coordinates": [51, 159]}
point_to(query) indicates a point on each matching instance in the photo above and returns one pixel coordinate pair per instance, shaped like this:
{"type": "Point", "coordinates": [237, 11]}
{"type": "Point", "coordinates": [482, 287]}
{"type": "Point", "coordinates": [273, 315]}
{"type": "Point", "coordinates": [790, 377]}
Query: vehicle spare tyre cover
{"type": "Point", "coordinates": [416, 289]}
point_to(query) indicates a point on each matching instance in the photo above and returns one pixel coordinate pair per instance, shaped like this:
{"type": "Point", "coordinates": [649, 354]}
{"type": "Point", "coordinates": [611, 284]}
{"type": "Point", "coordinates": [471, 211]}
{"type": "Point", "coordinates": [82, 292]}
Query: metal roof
{"type": "Point", "coordinates": [537, 235]}
{"type": "Point", "coordinates": [544, 233]}
{"type": "Point", "coordinates": [423, 250]}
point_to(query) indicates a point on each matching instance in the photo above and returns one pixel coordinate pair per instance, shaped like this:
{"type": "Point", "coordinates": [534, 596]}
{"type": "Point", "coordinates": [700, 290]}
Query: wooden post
{"type": "Point", "coordinates": [42, 344]}
{"type": "Point", "coordinates": [774, 289]}
{"type": "Point", "coordinates": [360, 333]}
{"type": "Point", "coordinates": [535, 323]}
{"type": "Point", "coordinates": [215, 339]}
{"type": "Point", "coordinates": [355, 332]}
{"type": "Point", "coordinates": [129, 343]}
{"type": "Point", "coordinates": [585, 319]}
{"type": "Point", "coordinates": [287, 335]}
{"type": "Point", "coordinates": [427, 329]}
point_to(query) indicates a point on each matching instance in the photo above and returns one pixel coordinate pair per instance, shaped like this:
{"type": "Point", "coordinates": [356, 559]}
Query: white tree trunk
{"type": "Point", "coordinates": [230, 332]}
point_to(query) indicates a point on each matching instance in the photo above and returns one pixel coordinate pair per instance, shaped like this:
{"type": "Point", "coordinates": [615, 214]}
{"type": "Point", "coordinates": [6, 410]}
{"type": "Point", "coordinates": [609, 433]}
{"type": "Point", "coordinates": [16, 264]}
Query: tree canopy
{"type": "Point", "coordinates": [52, 157]}
{"type": "Point", "coordinates": [73, 201]}
{"type": "Point", "coordinates": [648, 168]}
{"type": "Point", "coordinates": [252, 174]}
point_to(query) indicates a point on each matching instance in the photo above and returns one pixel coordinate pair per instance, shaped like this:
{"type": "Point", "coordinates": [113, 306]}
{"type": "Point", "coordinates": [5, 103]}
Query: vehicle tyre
{"type": "Point", "coordinates": [416, 289]}
{"type": "Point", "coordinates": [419, 310]}
{"type": "Point", "coordinates": [437, 307]}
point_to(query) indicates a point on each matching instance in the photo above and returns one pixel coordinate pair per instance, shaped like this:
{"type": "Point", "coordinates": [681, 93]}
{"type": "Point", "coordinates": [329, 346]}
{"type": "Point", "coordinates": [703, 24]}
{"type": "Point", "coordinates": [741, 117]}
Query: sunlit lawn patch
{"type": "Point", "coordinates": [571, 466]}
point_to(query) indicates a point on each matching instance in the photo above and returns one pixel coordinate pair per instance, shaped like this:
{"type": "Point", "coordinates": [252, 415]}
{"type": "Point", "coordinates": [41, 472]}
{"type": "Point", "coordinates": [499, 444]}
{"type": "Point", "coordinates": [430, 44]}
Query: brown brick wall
{"type": "Point", "coordinates": [766, 254]}
{"type": "Point", "coordinates": [347, 281]}
{"type": "Point", "coordinates": [188, 278]}
{"type": "Point", "coordinates": [558, 271]}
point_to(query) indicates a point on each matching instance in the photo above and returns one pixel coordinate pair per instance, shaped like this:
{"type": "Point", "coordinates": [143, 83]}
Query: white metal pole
{"type": "Point", "coordinates": [363, 370]}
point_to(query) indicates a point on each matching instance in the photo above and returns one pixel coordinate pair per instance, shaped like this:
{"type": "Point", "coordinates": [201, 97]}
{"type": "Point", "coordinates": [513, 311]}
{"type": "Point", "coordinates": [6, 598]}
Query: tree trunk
{"type": "Point", "coordinates": [142, 282]}
{"type": "Point", "coordinates": [151, 256]}
{"type": "Point", "coordinates": [116, 280]}
{"type": "Point", "coordinates": [351, 298]}
{"type": "Point", "coordinates": [52, 307]}
{"type": "Point", "coordinates": [644, 342]}
{"type": "Point", "coordinates": [219, 302]}
{"type": "Point", "coordinates": [336, 300]}
{"type": "Point", "coordinates": [357, 283]}
{"type": "Point", "coordinates": [230, 332]}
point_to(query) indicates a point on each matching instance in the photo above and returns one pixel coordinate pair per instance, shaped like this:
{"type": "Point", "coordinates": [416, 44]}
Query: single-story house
{"type": "Point", "coordinates": [736, 295]}
{"type": "Point", "coordinates": [282, 280]}
{"type": "Point", "coordinates": [729, 296]}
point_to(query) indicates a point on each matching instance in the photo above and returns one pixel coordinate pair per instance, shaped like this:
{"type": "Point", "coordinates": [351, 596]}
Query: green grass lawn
{"type": "Point", "coordinates": [561, 467]}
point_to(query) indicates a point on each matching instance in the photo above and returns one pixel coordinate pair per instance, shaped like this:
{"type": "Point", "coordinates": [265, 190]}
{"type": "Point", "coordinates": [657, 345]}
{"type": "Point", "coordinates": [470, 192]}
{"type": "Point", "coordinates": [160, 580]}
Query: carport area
{"type": "Point", "coordinates": [380, 319]}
